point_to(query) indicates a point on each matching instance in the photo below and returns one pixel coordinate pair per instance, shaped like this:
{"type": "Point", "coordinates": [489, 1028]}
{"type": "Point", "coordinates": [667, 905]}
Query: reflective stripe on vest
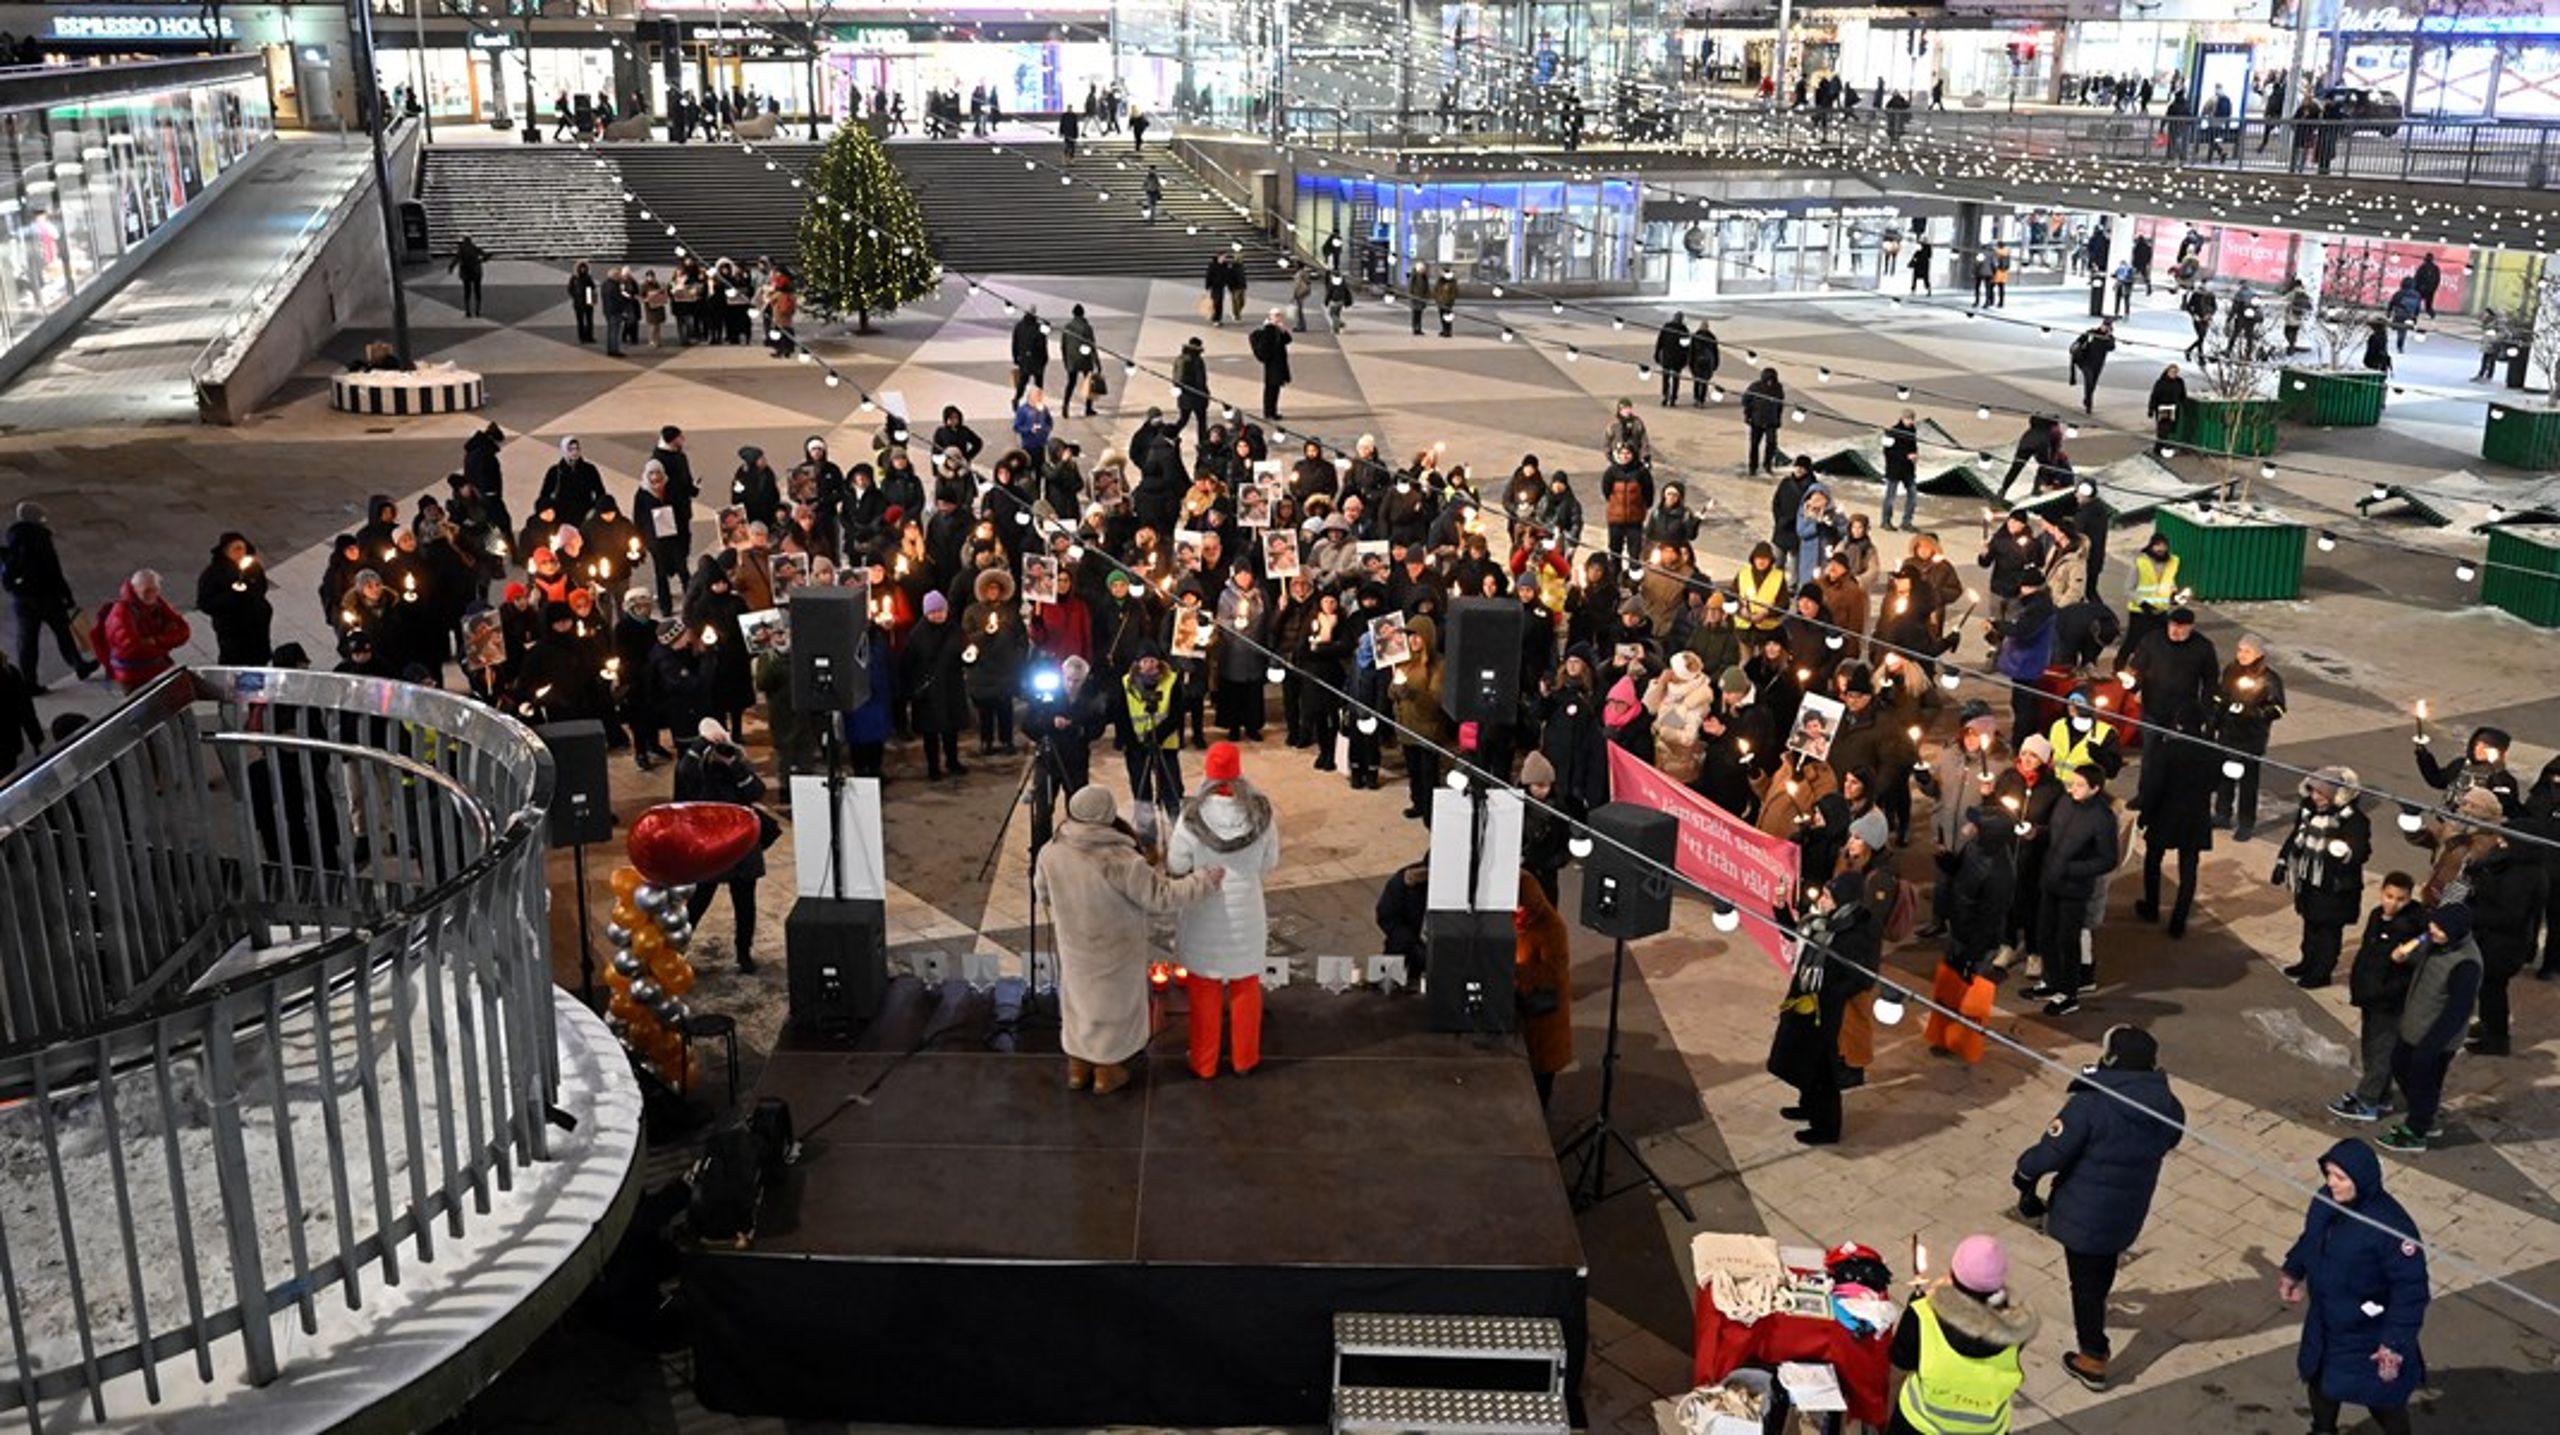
{"type": "Point", "coordinates": [1766, 595]}
{"type": "Point", "coordinates": [2155, 585]}
{"type": "Point", "coordinates": [1953, 1394]}
{"type": "Point", "coordinates": [2071, 751]}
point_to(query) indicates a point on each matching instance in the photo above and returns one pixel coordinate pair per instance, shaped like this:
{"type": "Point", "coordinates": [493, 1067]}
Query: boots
{"type": "Point", "coordinates": [1110, 1078]}
{"type": "Point", "coordinates": [1079, 1073]}
{"type": "Point", "coordinates": [2089, 1370]}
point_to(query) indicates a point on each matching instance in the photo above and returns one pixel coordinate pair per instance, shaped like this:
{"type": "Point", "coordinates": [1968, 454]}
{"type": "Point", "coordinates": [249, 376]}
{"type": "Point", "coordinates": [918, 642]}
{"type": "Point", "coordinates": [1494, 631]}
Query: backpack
{"type": "Point", "coordinates": [1903, 918]}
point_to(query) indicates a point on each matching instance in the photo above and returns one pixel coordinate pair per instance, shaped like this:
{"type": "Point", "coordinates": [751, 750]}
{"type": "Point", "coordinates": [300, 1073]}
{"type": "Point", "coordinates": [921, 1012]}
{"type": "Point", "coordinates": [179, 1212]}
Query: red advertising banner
{"type": "Point", "coordinates": [1723, 854]}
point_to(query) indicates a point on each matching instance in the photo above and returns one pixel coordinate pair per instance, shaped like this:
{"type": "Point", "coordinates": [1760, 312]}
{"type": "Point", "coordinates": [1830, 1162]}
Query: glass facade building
{"type": "Point", "coordinates": [83, 180]}
{"type": "Point", "coordinates": [1490, 231]}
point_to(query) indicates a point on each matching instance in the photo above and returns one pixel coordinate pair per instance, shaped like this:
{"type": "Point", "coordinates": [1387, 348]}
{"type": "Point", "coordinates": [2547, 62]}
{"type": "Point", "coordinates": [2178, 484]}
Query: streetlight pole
{"type": "Point", "coordinates": [418, 38]}
{"type": "Point", "coordinates": [370, 96]}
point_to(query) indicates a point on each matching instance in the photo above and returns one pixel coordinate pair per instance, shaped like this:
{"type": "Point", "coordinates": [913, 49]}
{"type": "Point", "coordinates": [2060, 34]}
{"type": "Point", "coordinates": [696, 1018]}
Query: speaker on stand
{"type": "Point", "coordinates": [835, 944]}
{"type": "Point", "coordinates": [1626, 893]}
{"type": "Point", "coordinates": [581, 812]}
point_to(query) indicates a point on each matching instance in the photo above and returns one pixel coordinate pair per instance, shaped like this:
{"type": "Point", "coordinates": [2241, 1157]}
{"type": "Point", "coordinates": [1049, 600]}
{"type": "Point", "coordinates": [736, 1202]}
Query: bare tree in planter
{"type": "Point", "coordinates": [2351, 299]}
{"type": "Point", "coordinates": [2236, 379]}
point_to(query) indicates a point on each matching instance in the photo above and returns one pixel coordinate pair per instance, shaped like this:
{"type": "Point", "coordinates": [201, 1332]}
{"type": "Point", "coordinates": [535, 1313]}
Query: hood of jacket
{"type": "Point", "coordinates": [1229, 820]}
{"type": "Point", "coordinates": [2361, 1165]}
{"type": "Point", "coordinates": [2011, 1323]}
{"type": "Point", "coordinates": [2340, 783]}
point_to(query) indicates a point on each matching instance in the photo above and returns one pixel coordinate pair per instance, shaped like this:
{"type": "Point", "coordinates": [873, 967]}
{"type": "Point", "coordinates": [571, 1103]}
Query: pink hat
{"type": "Point", "coordinates": [1981, 1265]}
{"type": "Point", "coordinates": [1622, 703]}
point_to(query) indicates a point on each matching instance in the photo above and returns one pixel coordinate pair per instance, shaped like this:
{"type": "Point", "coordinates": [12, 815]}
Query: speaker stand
{"type": "Point", "coordinates": [586, 944]}
{"type": "Point", "coordinates": [1589, 1185]}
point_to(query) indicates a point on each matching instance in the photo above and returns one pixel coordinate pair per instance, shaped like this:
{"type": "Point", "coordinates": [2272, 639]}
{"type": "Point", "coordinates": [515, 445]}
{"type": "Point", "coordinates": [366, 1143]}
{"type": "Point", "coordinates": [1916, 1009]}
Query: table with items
{"type": "Point", "coordinates": [1783, 1309]}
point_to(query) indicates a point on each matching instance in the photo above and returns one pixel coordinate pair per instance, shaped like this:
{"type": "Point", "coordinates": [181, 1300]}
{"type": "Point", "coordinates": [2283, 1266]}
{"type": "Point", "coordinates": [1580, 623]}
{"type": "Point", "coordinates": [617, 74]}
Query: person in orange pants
{"type": "Point", "coordinates": [1978, 897]}
{"type": "Point", "coordinates": [1222, 942]}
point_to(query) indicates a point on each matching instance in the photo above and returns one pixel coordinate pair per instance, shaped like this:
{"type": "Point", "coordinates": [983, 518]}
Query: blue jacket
{"type": "Point", "coordinates": [2349, 1264]}
{"type": "Point", "coordinates": [873, 721]}
{"type": "Point", "coordinates": [2105, 1158]}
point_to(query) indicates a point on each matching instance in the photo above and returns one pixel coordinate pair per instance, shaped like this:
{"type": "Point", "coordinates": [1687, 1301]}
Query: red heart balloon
{"type": "Point", "coordinates": [677, 843]}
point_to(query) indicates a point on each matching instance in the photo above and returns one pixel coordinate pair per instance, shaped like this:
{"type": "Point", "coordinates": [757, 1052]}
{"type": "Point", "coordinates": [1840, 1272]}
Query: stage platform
{"type": "Point", "coordinates": [974, 1244]}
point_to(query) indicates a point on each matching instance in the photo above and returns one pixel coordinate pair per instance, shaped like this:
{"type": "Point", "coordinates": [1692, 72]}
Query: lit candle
{"type": "Point", "coordinates": [710, 636]}
{"type": "Point", "coordinates": [2422, 719]}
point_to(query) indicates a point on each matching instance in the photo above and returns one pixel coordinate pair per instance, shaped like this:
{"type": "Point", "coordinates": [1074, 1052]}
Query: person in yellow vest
{"type": "Point", "coordinates": [1761, 587]}
{"type": "Point", "coordinates": [2080, 740]}
{"type": "Point", "coordinates": [2155, 592]}
{"type": "Point", "coordinates": [1956, 1353]}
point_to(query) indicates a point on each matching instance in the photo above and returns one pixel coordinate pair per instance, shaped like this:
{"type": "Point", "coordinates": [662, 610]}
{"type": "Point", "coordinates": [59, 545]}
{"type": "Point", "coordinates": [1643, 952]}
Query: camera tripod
{"type": "Point", "coordinates": [1041, 789]}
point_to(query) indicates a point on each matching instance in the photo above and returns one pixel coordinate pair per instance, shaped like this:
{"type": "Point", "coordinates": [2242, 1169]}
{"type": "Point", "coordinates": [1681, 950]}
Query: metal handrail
{"type": "Point", "coordinates": [371, 1013]}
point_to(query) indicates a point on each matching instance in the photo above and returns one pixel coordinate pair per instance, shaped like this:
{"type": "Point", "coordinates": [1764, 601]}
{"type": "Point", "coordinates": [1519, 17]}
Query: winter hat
{"type": "Point", "coordinates": [1735, 682]}
{"type": "Point", "coordinates": [2454, 920]}
{"type": "Point", "coordinates": [1225, 763]}
{"type": "Point", "coordinates": [712, 732]}
{"type": "Point", "coordinates": [1981, 1265]}
{"type": "Point", "coordinates": [2480, 805]}
{"type": "Point", "coordinates": [516, 591]}
{"type": "Point", "coordinates": [1688, 665]}
{"type": "Point", "coordinates": [1535, 769]}
{"type": "Point", "coordinates": [748, 454]}
{"type": "Point", "coordinates": [290, 655]}
{"type": "Point", "coordinates": [1092, 803]}
{"type": "Point", "coordinates": [1622, 705]}
{"type": "Point", "coordinates": [1872, 830]}
{"type": "Point", "coordinates": [2038, 748]}
{"type": "Point", "coordinates": [935, 604]}
{"type": "Point", "coordinates": [2129, 1048]}
{"type": "Point", "coordinates": [1847, 888]}
{"type": "Point", "coordinates": [1986, 724]}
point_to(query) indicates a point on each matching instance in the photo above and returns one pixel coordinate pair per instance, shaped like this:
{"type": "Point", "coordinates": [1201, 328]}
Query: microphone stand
{"type": "Point", "coordinates": [1589, 1184]}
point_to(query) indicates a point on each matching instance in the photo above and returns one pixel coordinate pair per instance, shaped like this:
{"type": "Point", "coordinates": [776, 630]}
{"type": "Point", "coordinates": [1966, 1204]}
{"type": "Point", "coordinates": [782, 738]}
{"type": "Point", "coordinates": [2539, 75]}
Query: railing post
{"type": "Point", "coordinates": [239, 1198]}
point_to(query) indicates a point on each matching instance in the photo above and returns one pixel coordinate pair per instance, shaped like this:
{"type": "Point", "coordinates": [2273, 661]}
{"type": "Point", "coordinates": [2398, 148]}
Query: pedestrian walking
{"type": "Point", "coordinates": [2360, 1266]}
{"type": "Point", "coordinates": [2200, 306]}
{"type": "Point", "coordinates": [2089, 359]}
{"type": "Point", "coordinates": [1923, 256]}
{"type": "Point", "coordinates": [39, 594]}
{"type": "Point", "coordinates": [1030, 349]}
{"type": "Point", "coordinates": [1444, 297]}
{"type": "Point", "coordinates": [1417, 292]}
{"type": "Point", "coordinates": [1764, 411]}
{"type": "Point", "coordinates": [470, 263]}
{"type": "Point", "coordinates": [582, 300]}
{"type": "Point", "coordinates": [2168, 397]}
{"type": "Point", "coordinates": [2405, 306]}
{"type": "Point", "coordinates": [1270, 345]}
{"type": "Point", "coordinates": [1901, 469]}
{"type": "Point", "coordinates": [1155, 194]}
{"type": "Point", "coordinates": [2081, 848]}
{"type": "Point", "coordinates": [1337, 297]}
{"type": "Point", "coordinates": [1671, 358]}
{"type": "Point", "coordinates": [2104, 1152]}
{"type": "Point", "coordinates": [2427, 279]}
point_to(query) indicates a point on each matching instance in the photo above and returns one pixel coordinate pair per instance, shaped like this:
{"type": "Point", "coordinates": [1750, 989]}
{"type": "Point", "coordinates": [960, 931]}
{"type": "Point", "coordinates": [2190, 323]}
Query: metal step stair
{"type": "Point", "coordinates": [1526, 1344]}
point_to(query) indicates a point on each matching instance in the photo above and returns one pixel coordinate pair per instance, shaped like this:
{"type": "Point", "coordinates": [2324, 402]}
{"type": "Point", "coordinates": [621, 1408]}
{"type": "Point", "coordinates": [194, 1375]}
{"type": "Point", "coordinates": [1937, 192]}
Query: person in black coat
{"type": "Point", "coordinates": [480, 466]}
{"type": "Point", "coordinates": [20, 732]}
{"type": "Point", "coordinates": [1030, 353]}
{"type": "Point", "coordinates": [2081, 848]}
{"type": "Point", "coordinates": [1834, 964]}
{"type": "Point", "coordinates": [2508, 888]}
{"type": "Point", "coordinates": [679, 680]}
{"type": "Point", "coordinates": [2363, 1264]}
{"type": "Point", "coordinates": [717, 770]}
{"type": "Point", "coordinates": [232, 594]}
{"type": "Point", "coordinates": [936, 689]}
{"type": "Point", "coordinates": [1764, 408]}
{"type": "Point", "coordinates": [2322, 861]}
{"type": "Point", "coordinates": [1570, 731]}
{"type": "Point", "coordinates": [1270, 345]}
{"type": "Point", "coordinates": [2179, 819]}
{"type": "Point", "coordinates": [1982, 883]}
{"type": "Point", "coordinates": [2168, 398]}
{"type": "Point", "coordinates": [712, 609]}
{"type": "Point", "coordinates": [1705, 357]}
{"type": "Point", "coordinates": [40, 594]}
{"type": "Point", "coordinates": [2379, 986]}
{"type": "Point", "coordinates": [572, 490]}
{"type": "Point", "coordinates": [2104, 1152]}
{"type": "Point", "coordinates": [582, 300]}
{"type": "Point", "coordinates": [1671, 359]}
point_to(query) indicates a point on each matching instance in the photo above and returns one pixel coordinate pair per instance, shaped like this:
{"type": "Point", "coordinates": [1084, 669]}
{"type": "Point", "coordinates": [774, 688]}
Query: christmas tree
{"type": "Point", "coordinates": [862, 244]}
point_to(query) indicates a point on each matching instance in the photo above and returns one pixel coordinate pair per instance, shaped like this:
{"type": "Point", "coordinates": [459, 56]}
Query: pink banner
{"type": "Point", "coordinates": [1723, 854]}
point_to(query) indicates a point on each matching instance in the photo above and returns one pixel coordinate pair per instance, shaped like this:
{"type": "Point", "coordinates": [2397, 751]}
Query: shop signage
{"type": "Point", "coordinates": [178, 25]}
{"type": "Point", "coordinates": [2477, 17]}
{"type": "Point", "coordinates": [491, 40]}
{"type": "Point", "coordinates": [861, 37]}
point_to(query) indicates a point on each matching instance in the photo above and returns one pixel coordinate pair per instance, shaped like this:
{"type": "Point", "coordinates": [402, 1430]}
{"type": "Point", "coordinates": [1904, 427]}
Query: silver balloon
{"type": "Point", "coordinates": [621, 1029]}
{"type": "Point", "coordinates": [680, 895]}
{"type": "Point", "coordinates": [616, 935]}
{"type": "Point", "coordinates": [671, 1010]}
{"type": "Point", "coordinates": [679, 938]}
{"type": "Point", "coordinates": [646, 992]}
{"type": "Point", "coordinates": [628, 963]}
{"type": "Point", "coordinates": [649, 897]}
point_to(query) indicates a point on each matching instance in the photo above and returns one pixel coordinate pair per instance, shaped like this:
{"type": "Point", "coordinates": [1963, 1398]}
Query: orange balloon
{"type": "Point", "coordinates": [626, 880]}
{"type": "Point", "coordinates": [645, 1029]}
{"type": "Point", "coordinates": [677, 1069]}
{"type": "Point", "coordinates": [675, 976]}
{"type": "Point", "coordinates": [622, 1005]}
{"type": "Point", "coordinates": [648, 943]}
{"type": "Point", "coordinates": [614, 978]}
{"type": "Point", "coordinates": [626, 915]}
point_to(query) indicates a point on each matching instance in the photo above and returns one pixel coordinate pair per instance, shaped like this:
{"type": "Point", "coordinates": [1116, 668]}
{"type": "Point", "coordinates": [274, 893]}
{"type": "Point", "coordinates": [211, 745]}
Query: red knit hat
{"type": "Point", "coordinates": [1225, 763]}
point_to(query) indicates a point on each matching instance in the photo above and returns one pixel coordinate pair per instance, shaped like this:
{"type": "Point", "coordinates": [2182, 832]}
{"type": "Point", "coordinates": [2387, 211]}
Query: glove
{"type": "Point", "coordinates": [2030, 1205]}
{"type": "Point", "coordinates": [2276, 878]}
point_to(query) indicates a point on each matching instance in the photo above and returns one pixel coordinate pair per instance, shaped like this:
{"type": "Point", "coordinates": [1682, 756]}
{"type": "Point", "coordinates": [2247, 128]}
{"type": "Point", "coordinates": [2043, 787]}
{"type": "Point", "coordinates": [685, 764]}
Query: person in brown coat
{"type": "Point", "coordinates": [1542, 979]}
{"type": "Point", "coordinates": [1843, 596]}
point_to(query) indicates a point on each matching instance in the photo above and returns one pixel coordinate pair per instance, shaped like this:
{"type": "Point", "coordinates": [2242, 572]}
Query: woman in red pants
{"type": "Point", "coordinates": [1222, 942]}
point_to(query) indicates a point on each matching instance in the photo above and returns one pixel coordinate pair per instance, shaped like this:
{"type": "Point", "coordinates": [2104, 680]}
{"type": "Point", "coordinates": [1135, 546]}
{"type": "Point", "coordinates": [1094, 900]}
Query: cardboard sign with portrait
{"type": "Point", "coordinates": [1817, 723]}
{"type": "Point", "coordinates": [1389, 644]}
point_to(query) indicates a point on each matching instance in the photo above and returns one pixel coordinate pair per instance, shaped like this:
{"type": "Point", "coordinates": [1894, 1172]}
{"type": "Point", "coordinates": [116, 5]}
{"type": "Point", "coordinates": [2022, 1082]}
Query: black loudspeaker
{"type": "Point", "coordinates": [829, 627]}
{"type": "Point", "coordinates": [836, 950]}
{"type": "Point", "coordinates": [581, 796]}
{"type": "Point", "coordinates": [1480, 674]}
{"type": "Point", "coordinates": [1622, 896]}
{"type": "Point", "coordinates": [1468, 981]}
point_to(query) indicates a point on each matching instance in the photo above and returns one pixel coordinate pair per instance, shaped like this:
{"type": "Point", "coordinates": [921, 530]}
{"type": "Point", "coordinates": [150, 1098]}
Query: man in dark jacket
{"type": "Point", "coordinates": [717, 770]}
{"type": "Point", "coordinates": [1030, 353]}
{"type": "Point", "coordinates": [2089, 359]}
{"type": "Point", "coordinates": [571, 488]}
{"type": "Point", "coordinates": [2378, 984]}
{"type": "Point", "coordinates": [1270, 345]}
{"type": "Point", "coordinates": [2506, 888]}
{"type": "Point", "coordinates": [2178, 673]}
{"type": "Point", "coordinates": [31, 570]}
{"type": "Point", "coordinates": [1671, 358]}
{"type": "Point", "coordinates": [2103, 1151]}
{"type": "Point", "coordinates": [2444, 988]}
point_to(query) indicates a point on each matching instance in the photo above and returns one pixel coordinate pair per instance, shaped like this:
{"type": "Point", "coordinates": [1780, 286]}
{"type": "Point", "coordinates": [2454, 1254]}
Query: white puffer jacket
{"type": "Point", "coordinates": [1231, 826]}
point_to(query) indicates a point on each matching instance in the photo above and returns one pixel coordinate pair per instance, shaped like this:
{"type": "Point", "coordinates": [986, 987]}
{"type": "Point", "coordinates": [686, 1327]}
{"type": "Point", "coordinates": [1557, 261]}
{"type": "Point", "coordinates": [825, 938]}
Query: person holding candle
{"type": "Point", "coordinates": [2249, 702]}
{"type": "Point", "coordinates": [2322, 861]}
{"type": "Point", "coordinates": [2482, 767]}
{"type": "Point", "coordinates": [232, 594]}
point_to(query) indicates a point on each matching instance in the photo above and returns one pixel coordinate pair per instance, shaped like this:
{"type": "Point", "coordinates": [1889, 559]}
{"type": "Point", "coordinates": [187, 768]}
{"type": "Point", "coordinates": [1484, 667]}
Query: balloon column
{"type": "Point", "coordinates": [673, 846]}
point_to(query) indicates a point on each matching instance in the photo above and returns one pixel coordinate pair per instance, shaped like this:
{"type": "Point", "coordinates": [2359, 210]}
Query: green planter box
{"type": "Point", "coordinates": [2331, 398]}
{"type": "Point", "coordinates": [2244, 428]}
{"type": "Point", "coordinates": [2226, 558]}
{"type": "Point", "coordinates": [2523, 573]}
{"type": "Point", "coordinates": [2522, 437]}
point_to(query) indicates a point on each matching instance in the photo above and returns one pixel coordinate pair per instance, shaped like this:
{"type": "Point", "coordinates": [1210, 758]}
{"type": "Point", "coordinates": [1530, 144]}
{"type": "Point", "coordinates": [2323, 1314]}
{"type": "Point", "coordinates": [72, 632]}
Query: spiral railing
{"type": "Point", "coordinates": [275, 1011]}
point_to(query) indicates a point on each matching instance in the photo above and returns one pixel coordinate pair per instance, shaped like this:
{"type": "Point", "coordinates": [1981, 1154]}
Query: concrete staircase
{"type": "Point", "coordinates": [987, 212]}
{"type": "Point", "coordinates": [537, 202]}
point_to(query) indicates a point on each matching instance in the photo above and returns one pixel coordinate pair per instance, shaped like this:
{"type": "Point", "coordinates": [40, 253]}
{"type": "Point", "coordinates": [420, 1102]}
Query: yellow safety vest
{"type": "Point", "coordinates": [1953, 1394]}
{"type": "Point", "coordinates": [1761, 601]}
{"type": "Point", "coordinates": [1148, 721]}
{"type": "Point", "coordinates": [2070, 749]}
{"type": "Point", "coordinates": [2155, 585]}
